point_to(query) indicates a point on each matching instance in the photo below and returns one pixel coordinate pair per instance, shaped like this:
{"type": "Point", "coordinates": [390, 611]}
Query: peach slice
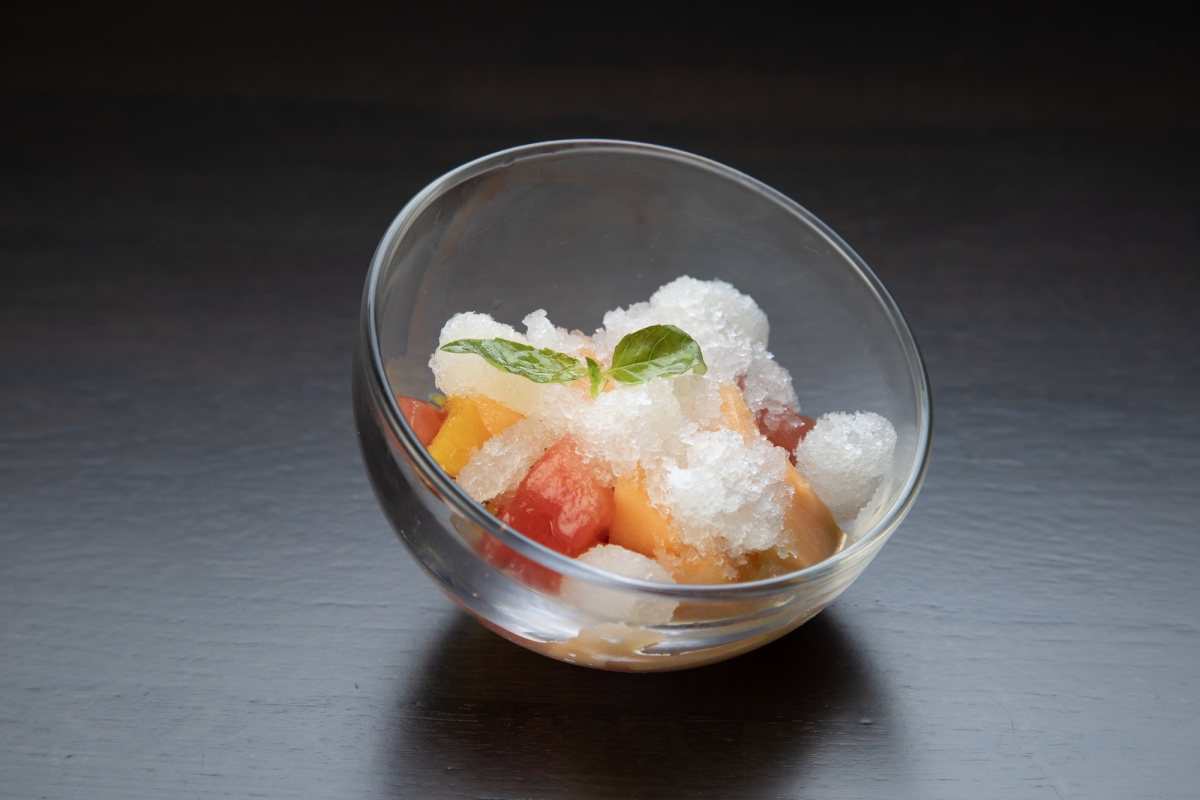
{"type": "Point", "coordinates": [637, 525]}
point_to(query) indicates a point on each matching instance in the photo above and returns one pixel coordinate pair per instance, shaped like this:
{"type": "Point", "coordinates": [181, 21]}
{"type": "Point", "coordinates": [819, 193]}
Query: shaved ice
{"type": "Point", "coordinates": [620, 606]}
{"type": "Point", "coordinates": [699, 491]}
{"type": "Point", "coordinates": [844, 457]}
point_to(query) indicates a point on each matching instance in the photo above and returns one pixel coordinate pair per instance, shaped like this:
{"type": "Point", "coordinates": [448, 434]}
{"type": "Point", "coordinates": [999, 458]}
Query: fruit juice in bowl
{"type": "Point", "coordinates": [648, 496]}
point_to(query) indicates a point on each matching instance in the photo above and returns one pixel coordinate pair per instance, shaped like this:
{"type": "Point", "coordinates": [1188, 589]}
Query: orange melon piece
{"type": "Point", "coordinates": [736, 415]}
{"type": "Point", "coordinates": [813, 534]}
{"type": "Point", "coordinates": [698, 568]}
{"type": "Point", "coordinates": [463, 432]}
{"type": "Point", "coordinates": [638, 526]}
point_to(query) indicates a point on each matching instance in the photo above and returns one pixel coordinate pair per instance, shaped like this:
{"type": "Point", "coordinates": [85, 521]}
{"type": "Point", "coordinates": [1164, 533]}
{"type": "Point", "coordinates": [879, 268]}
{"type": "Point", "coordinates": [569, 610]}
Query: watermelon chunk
{"type": "Point", "coordinates": [425, 418]}
{"type": "Point", "coordinates": [528, 572]}
{"type": "Point", "coordinates": [784, 427]}
{"type": "Point", "coordinates": [560, 504]}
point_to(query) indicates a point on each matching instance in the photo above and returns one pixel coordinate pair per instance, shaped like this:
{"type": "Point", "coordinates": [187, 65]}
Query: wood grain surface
{"type": "Point", "coordinates": [199, 596]}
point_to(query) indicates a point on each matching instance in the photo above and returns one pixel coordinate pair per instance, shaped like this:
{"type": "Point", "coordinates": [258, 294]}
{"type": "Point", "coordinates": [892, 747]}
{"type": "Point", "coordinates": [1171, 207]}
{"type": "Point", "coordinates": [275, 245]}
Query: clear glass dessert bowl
{"type": "Point", "coordinates": [577, 228]}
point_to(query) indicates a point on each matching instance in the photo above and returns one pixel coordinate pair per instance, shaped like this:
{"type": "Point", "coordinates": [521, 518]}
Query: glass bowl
{"type": "Point", "coordinates": [577, 228]}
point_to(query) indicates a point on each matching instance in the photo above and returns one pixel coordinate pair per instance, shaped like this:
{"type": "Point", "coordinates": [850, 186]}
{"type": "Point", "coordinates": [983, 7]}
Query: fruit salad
{"type": "Point", "coordinates": [667, 446]}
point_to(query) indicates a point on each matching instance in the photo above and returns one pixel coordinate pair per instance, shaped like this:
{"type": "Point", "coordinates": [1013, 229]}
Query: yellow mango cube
{"type": "Point", "coordinates": [470, 422]}
{"type": "Point", "coordinates": [495, 415]}
{"type": "Point", "coordinates": [463, 432]}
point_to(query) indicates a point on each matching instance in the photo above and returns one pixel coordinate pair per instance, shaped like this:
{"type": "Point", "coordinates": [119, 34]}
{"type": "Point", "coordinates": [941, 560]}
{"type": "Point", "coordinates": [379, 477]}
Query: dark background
{"type": "Point", "coordinates": [198, 594]}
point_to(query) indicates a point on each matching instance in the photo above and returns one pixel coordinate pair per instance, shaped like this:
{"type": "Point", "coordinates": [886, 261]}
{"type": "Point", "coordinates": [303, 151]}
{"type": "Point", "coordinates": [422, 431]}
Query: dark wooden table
{"type": "Point", "coordinates": [199, 596]}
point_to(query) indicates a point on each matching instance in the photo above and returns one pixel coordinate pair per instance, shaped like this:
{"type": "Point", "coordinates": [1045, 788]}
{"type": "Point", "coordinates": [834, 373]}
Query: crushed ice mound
{"type": "Point", "coordinates": [730, 492]}
{"type": "Point", "coordinates": [609, 604]}
{"type": "Point", "coordinates": [767, 385]}
{"type": "Point", "coordinates": [699, 400]}
{"type": "Point", "coordinates": [540, 332]}
{"type": "Point", "coordinates": [468, 375]}
{"type": "Point", "coordinates": [722, 494]}
{"type": "Point", "coordinates": [726, 323]}
{"type": "Point", "coordinates": [497, 468]}
{"type": "Point", "coordinates": [844, 459]}
{"type": "Point", "coordinates": [632, 426]}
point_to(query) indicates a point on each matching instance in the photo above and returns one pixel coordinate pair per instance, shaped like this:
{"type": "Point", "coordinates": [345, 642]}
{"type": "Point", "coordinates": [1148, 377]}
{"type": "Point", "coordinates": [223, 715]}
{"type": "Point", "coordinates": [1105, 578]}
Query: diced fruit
{"type": "Point", "coordinates": [637, 525]}
{"type": "Point", "coordinates": [469, 423]}
{"type": "Point", "coordinates": [424, 418]}
{"type": "Point", "coordinates": [813, 534]}
{"type": "Point", "coordinates": [736, 415]}
{"type": "Point", "coordinates": [528, 572]}
{"type": "Point", "coordinates": [696, 567]}
{"type": "Point", "coordinates": [784, 428]}
{"type": "Point", "coordinates": [496, 416]}
{"type": "Point", "coordinates": [463, 432]}
{"type": "Point", "coordinates": [560, 503]}
{"type": "Point", "coordinates": [762, 565]}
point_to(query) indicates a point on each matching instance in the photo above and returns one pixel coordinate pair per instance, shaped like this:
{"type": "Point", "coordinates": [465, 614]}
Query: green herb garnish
{"type": "Point", "coordinates": [654, 352]}
{"type": "Point", "coordinates": [540, 366]}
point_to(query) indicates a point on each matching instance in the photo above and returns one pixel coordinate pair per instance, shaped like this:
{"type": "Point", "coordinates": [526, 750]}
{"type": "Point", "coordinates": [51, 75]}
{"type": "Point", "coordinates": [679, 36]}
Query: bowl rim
{"type": "Point", "coordinates": [859, 551]}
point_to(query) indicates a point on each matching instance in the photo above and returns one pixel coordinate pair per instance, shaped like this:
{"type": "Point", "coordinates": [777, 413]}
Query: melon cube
{"type": "Point", "coordinates": [638, 526]}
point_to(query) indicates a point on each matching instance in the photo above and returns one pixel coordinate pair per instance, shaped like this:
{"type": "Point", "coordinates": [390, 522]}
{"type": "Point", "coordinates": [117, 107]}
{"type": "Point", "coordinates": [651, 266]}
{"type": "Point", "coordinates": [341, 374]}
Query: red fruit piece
{"type": "Point", "coordinates": [425, 418]}
{"type": "Point", "coordinates": [784, 427]}
{"type": "Point", "coordinates": [530, 573]}
{"type": "Point", "coordinates": [560, 503]}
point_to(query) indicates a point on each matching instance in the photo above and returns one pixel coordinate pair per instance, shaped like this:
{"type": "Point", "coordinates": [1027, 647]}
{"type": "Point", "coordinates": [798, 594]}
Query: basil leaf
{"type": "Point", "coordinates": [597, 376]}
{"type": "Point", "coordinates": [539, 366]}
{"type": "Point", "coordinates": [655, 352]}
